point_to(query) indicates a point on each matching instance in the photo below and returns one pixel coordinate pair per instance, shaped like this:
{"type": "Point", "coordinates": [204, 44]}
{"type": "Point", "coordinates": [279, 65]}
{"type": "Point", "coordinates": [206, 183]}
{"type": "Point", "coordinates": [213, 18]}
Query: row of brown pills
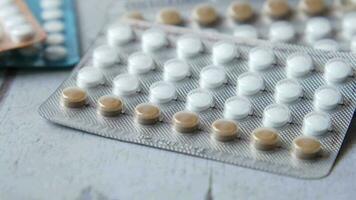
{"type": "Point", "coordinates": [186, 122]}
{"type": "Point", "coordinates": [240, 11]}
{"type": "Point", "coordinates": [75, 97]}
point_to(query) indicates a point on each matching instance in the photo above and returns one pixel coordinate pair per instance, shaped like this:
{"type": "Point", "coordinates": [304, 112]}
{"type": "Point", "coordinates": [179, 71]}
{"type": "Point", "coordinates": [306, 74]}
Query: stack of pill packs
{"type": "Point", "coordinates": [275, 107]}
{"type": "Point", "coordinates": [58, 49]}
{"type": "Point", "coordinates": [322, 24]}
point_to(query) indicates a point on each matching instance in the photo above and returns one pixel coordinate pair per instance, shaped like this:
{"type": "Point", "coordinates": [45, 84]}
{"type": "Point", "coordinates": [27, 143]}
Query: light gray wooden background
{"type": "Point", "coordinates": [40, 160]}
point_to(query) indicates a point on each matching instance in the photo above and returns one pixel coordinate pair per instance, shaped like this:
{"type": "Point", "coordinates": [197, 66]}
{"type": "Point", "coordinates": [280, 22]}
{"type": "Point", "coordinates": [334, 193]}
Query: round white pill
{"type": "Point", "coordinates": [337, 71]}
{"type": "Point", "coordinates": [118, 35]}
{"type": "Point", "coordinates": [299, 64]}
{"type": "Point", "coordinates": [288, 91]}
{"type": "Point", "coordinates": [50, 4]}
{"type": "Point", "coordinates": [55, 39]}
{"type": "Point", "coordinates": [22, 33]}
{"type": "Point", "coordinates": [162, 92]}
{"type": "Point", "coordinates": [125, 85]}
{"type": "Point", "coordinates": [199, 100]}
{"type": "Point", "coordinates": [327, 98]}
{"type": "Point", "coordinates": [316, 123]}
{"type": "Point", "coordinates": [153, 40]}
{"type": "Point", "coordinates": [224, 52]}
{"type": "Point", "coordinates": [246, 31]}
{"type": "Point", "coordinates": [237, 107]}
{"type": "Point", "coordinates": [327, 45]}
{"type": "Point", "coordinates": [52, 14]}
{"type": "Point", "coordinates": [105, 56]}
{"type": "Point", "coordinates": [189, 46]}
{"type": "Point", "coordinates": [317, 28]}
{"type": "Point", "coordinates": [212, 77]}
{"type": "Point", "coordinates": [276, 115]}
{"type": "Point", "coordinates": [348, 25]}
{"type": "Point", "coordinates": [249, 83]}
{"type": "Point", "coordinates": [53, 26]}
{"type": "Point", "coordinates": [56, 53]}
{"type": "Point", "coordinates": [140, 63]}
{"type": "Point", "coordinates": [89, 77]}
{"type": "Point", "coordinates": [13, 21]}
{"type": "Point", "coordinates": [176, 70]}
{"type": "Point", "coordinates": [281, 31]}
{"type": "Point", "coordinates": [261, 58]}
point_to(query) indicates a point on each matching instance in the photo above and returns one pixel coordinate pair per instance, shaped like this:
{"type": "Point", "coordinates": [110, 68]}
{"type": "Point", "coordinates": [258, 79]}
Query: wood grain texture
{"type": "Point", "coordinates": [40, 160]}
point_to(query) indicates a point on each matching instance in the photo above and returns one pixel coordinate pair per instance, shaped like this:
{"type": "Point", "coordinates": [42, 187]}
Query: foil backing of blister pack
{"type": "Point", "coordinates": [238, 152]}
{"type": "Point", "coordinates": [335, 40]}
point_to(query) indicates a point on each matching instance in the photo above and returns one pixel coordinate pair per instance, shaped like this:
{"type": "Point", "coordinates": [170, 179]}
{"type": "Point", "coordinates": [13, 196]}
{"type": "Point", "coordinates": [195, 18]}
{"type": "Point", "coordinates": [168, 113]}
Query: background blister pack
{"type": "Point", "coordinates": [34, 56]}
{"type": "Point", "coordinates": [239, 151]}
{"type": "Point", "coordinates": [18, 27]}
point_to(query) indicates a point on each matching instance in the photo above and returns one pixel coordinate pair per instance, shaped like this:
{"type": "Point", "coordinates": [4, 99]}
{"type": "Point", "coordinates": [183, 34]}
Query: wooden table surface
{"type": "Point", "coordinates": [41, 160]}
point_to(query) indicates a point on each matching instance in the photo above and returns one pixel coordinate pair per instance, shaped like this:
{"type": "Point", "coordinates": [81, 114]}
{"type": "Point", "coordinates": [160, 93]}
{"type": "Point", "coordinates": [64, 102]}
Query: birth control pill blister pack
{"type": "Point", "coordinates": [61, 47]}
{"type": "Point", "coordinates": [323, 24]}
{"type": "Point", "coordinates": [18, 27]}
{"type": "Point", "coordinates": [274, 107]}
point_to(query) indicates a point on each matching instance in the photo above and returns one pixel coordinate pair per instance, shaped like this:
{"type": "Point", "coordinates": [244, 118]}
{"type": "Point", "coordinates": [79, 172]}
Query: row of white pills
{"type": "Point", "coordinates": [260, 58]}
{"type": "Point", "coordinates": [53, 16]}
{"type": "Point", "coordinates": [298, 65]}
{"type": "Point", "coordinates": [15, 23]}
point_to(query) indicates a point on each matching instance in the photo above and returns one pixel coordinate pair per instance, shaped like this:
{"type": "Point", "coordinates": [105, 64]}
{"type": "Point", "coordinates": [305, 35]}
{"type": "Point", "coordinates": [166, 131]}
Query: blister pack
{"type": "Point", "coordinates": [18, 28]}
{"type": "Point", "coordinates": [323, 24]}
{"type": "Point", "coordinates": [274, 107]}
{"type": "Point", "coordinates": [61, 47]}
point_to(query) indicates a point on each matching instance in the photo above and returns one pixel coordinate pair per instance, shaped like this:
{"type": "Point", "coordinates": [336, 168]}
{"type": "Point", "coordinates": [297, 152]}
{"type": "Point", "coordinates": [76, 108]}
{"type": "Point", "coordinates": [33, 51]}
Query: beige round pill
{"type": "Point", "coordinates": [185, 122]}
{"type": "Point", "coordinates": [205, 15]}
{"type": "Point", "coordinates": [313, 7]}
{"type": "Point", "coordinates": [74, 97]}
{"type": "Point", "coordinates": [277, 8]}
{"type": "Point", "coordinates": [265, 139]}
{"type": "Point", "coordinates": [170, 16]}
{"type": "Point", "coordinates": [147, 114]}
{"type": "Point", "coordinates": [133, 15]}
{"type": "Point", "coordinates": [224, 130]}
{"type": "Point", "coordinates": [305, 147]}
{"type": "Point", "coordinates": [109, 106]}
{"type": "Point", "coordinates": [240, 11]}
